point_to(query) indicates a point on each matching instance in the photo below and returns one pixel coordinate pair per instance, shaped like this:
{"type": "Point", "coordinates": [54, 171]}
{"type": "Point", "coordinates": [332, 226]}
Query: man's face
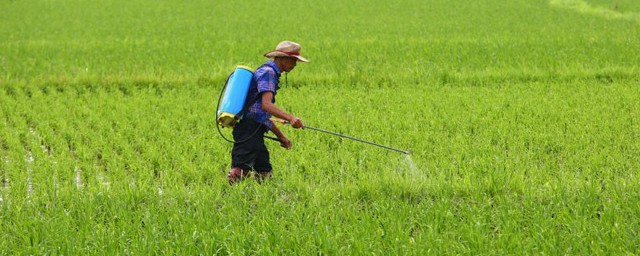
{"type": "Point", "coordinates": [289, 63]}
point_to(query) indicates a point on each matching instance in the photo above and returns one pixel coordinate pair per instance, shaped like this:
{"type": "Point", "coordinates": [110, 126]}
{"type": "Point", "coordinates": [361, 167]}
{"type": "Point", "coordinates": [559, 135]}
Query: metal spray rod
{"type": "Point", "coordinates": [345, 136]}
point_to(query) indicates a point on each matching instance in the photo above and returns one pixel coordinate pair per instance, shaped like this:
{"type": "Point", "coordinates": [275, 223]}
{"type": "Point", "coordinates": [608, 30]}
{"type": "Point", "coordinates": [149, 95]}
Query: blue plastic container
{"type": "Point", "coordinates": [235, 95]}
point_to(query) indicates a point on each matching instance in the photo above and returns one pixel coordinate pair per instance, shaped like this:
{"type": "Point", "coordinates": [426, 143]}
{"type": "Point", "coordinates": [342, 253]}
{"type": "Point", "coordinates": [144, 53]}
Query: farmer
{"type": "Point", "coordinates": [251, 152]}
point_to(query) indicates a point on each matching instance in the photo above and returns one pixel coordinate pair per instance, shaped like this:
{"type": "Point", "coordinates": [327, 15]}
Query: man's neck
{"type": "Point", "coordinates": [279, 64]}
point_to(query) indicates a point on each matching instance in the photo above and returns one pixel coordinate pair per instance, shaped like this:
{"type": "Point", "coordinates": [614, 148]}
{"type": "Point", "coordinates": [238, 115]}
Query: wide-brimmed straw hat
{"type": "Point", "coordinates": [287, 49]}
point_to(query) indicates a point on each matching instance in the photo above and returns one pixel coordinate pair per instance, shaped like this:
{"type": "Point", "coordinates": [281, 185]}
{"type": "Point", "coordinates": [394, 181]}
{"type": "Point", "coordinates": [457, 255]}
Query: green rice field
{"type": "Point", "coordinates": [522, 118]}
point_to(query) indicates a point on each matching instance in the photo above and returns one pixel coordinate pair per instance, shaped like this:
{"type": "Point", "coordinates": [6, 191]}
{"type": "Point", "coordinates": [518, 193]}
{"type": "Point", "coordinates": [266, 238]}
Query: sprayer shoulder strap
{"type": "Point", "coordinates": [253, 100]}
{"type": "Point", "coordinates": [247, 105]}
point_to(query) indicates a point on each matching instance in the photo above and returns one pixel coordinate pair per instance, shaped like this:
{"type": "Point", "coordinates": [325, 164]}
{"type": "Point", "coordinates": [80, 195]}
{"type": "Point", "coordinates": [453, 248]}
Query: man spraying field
{"type": "Point", "coordinates": [249, 151]}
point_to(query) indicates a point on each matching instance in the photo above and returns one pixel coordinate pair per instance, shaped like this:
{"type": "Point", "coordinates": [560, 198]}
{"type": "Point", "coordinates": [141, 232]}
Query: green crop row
{"type": "Point", "coordinates": [526, 167]}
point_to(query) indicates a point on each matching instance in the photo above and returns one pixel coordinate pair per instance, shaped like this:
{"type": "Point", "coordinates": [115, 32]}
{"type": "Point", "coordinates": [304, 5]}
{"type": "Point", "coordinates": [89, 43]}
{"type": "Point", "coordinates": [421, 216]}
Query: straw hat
{"type": "Point", "coordinates": [286, 49]}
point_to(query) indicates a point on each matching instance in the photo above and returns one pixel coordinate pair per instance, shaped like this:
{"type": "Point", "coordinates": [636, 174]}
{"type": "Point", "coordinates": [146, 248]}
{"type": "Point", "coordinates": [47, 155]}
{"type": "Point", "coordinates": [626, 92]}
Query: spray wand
{"type": "Point", "coordinates": [284, 122]}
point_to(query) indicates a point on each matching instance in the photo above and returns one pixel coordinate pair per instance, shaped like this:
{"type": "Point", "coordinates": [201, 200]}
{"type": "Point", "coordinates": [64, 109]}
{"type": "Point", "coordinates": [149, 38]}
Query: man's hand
{"type": "Point", "coordinates": [296, 123]}
{"type": "Point", "coordinates": [284, 142]}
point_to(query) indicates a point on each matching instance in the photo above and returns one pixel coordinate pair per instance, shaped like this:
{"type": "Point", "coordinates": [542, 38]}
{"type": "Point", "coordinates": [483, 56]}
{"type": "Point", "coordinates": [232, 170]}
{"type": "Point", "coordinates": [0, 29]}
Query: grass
{"type": "Point", "coordinates": [521, 116]}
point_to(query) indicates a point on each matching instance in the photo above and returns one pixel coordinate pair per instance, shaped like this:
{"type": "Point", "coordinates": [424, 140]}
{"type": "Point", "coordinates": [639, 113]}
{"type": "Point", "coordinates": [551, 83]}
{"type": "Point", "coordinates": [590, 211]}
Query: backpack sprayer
{"type": "Point", "coordinates": [235, 94]}
{"type": "Point", "coordinates": [232, 105]}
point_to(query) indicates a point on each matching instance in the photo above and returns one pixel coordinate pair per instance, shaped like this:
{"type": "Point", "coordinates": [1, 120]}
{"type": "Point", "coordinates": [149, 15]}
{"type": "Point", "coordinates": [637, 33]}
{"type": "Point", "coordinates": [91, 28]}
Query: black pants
{"type": "Point", "coordinates": [249, 150]}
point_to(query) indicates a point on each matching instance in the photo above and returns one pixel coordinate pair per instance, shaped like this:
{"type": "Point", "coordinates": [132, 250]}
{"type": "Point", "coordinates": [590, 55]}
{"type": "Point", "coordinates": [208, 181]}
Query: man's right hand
{"type": "Point", "coordinates": [296, 123]}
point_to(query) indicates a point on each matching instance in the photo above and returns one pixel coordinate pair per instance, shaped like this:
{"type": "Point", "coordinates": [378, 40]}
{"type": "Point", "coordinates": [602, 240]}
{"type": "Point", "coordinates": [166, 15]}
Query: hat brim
{"type": "Point", "coordinates": [276, 53]}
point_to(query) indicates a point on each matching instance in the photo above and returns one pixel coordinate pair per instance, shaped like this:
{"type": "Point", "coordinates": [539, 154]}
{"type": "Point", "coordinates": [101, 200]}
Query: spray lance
{"type": "Point", "coordinates": [284, 122]}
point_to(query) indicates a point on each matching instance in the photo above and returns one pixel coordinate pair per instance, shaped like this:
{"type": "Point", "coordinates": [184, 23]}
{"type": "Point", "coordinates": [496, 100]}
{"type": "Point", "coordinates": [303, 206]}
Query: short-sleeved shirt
{"type": "Point", "coordinates": [265, 79]}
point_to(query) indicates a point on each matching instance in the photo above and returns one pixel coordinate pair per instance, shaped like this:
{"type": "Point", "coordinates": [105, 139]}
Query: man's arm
{"type": "Point", "coordinates": [284, 141]}
{"type": "Point", "coordinates": [267, 105]}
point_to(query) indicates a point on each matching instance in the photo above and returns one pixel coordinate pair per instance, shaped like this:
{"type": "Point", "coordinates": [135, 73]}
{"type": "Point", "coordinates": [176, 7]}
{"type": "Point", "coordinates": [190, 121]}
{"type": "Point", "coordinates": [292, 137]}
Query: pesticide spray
{"type": "Point", "coordinates": [413, 171]}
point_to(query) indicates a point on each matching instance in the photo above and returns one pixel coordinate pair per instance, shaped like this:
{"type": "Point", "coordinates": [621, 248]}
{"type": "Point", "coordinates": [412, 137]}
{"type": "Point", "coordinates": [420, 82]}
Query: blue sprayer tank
{"type": "Point", "coordinates": [235, 95]}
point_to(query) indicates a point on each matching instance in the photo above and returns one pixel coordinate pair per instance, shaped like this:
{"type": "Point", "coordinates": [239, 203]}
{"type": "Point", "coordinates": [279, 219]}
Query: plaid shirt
{"type": "Point", "coordinates": [265, 79]}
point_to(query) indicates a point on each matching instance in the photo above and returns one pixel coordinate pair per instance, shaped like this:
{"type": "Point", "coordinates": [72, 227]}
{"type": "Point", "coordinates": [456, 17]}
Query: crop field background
{"type": "Point", "coordinates": [522, 118]}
